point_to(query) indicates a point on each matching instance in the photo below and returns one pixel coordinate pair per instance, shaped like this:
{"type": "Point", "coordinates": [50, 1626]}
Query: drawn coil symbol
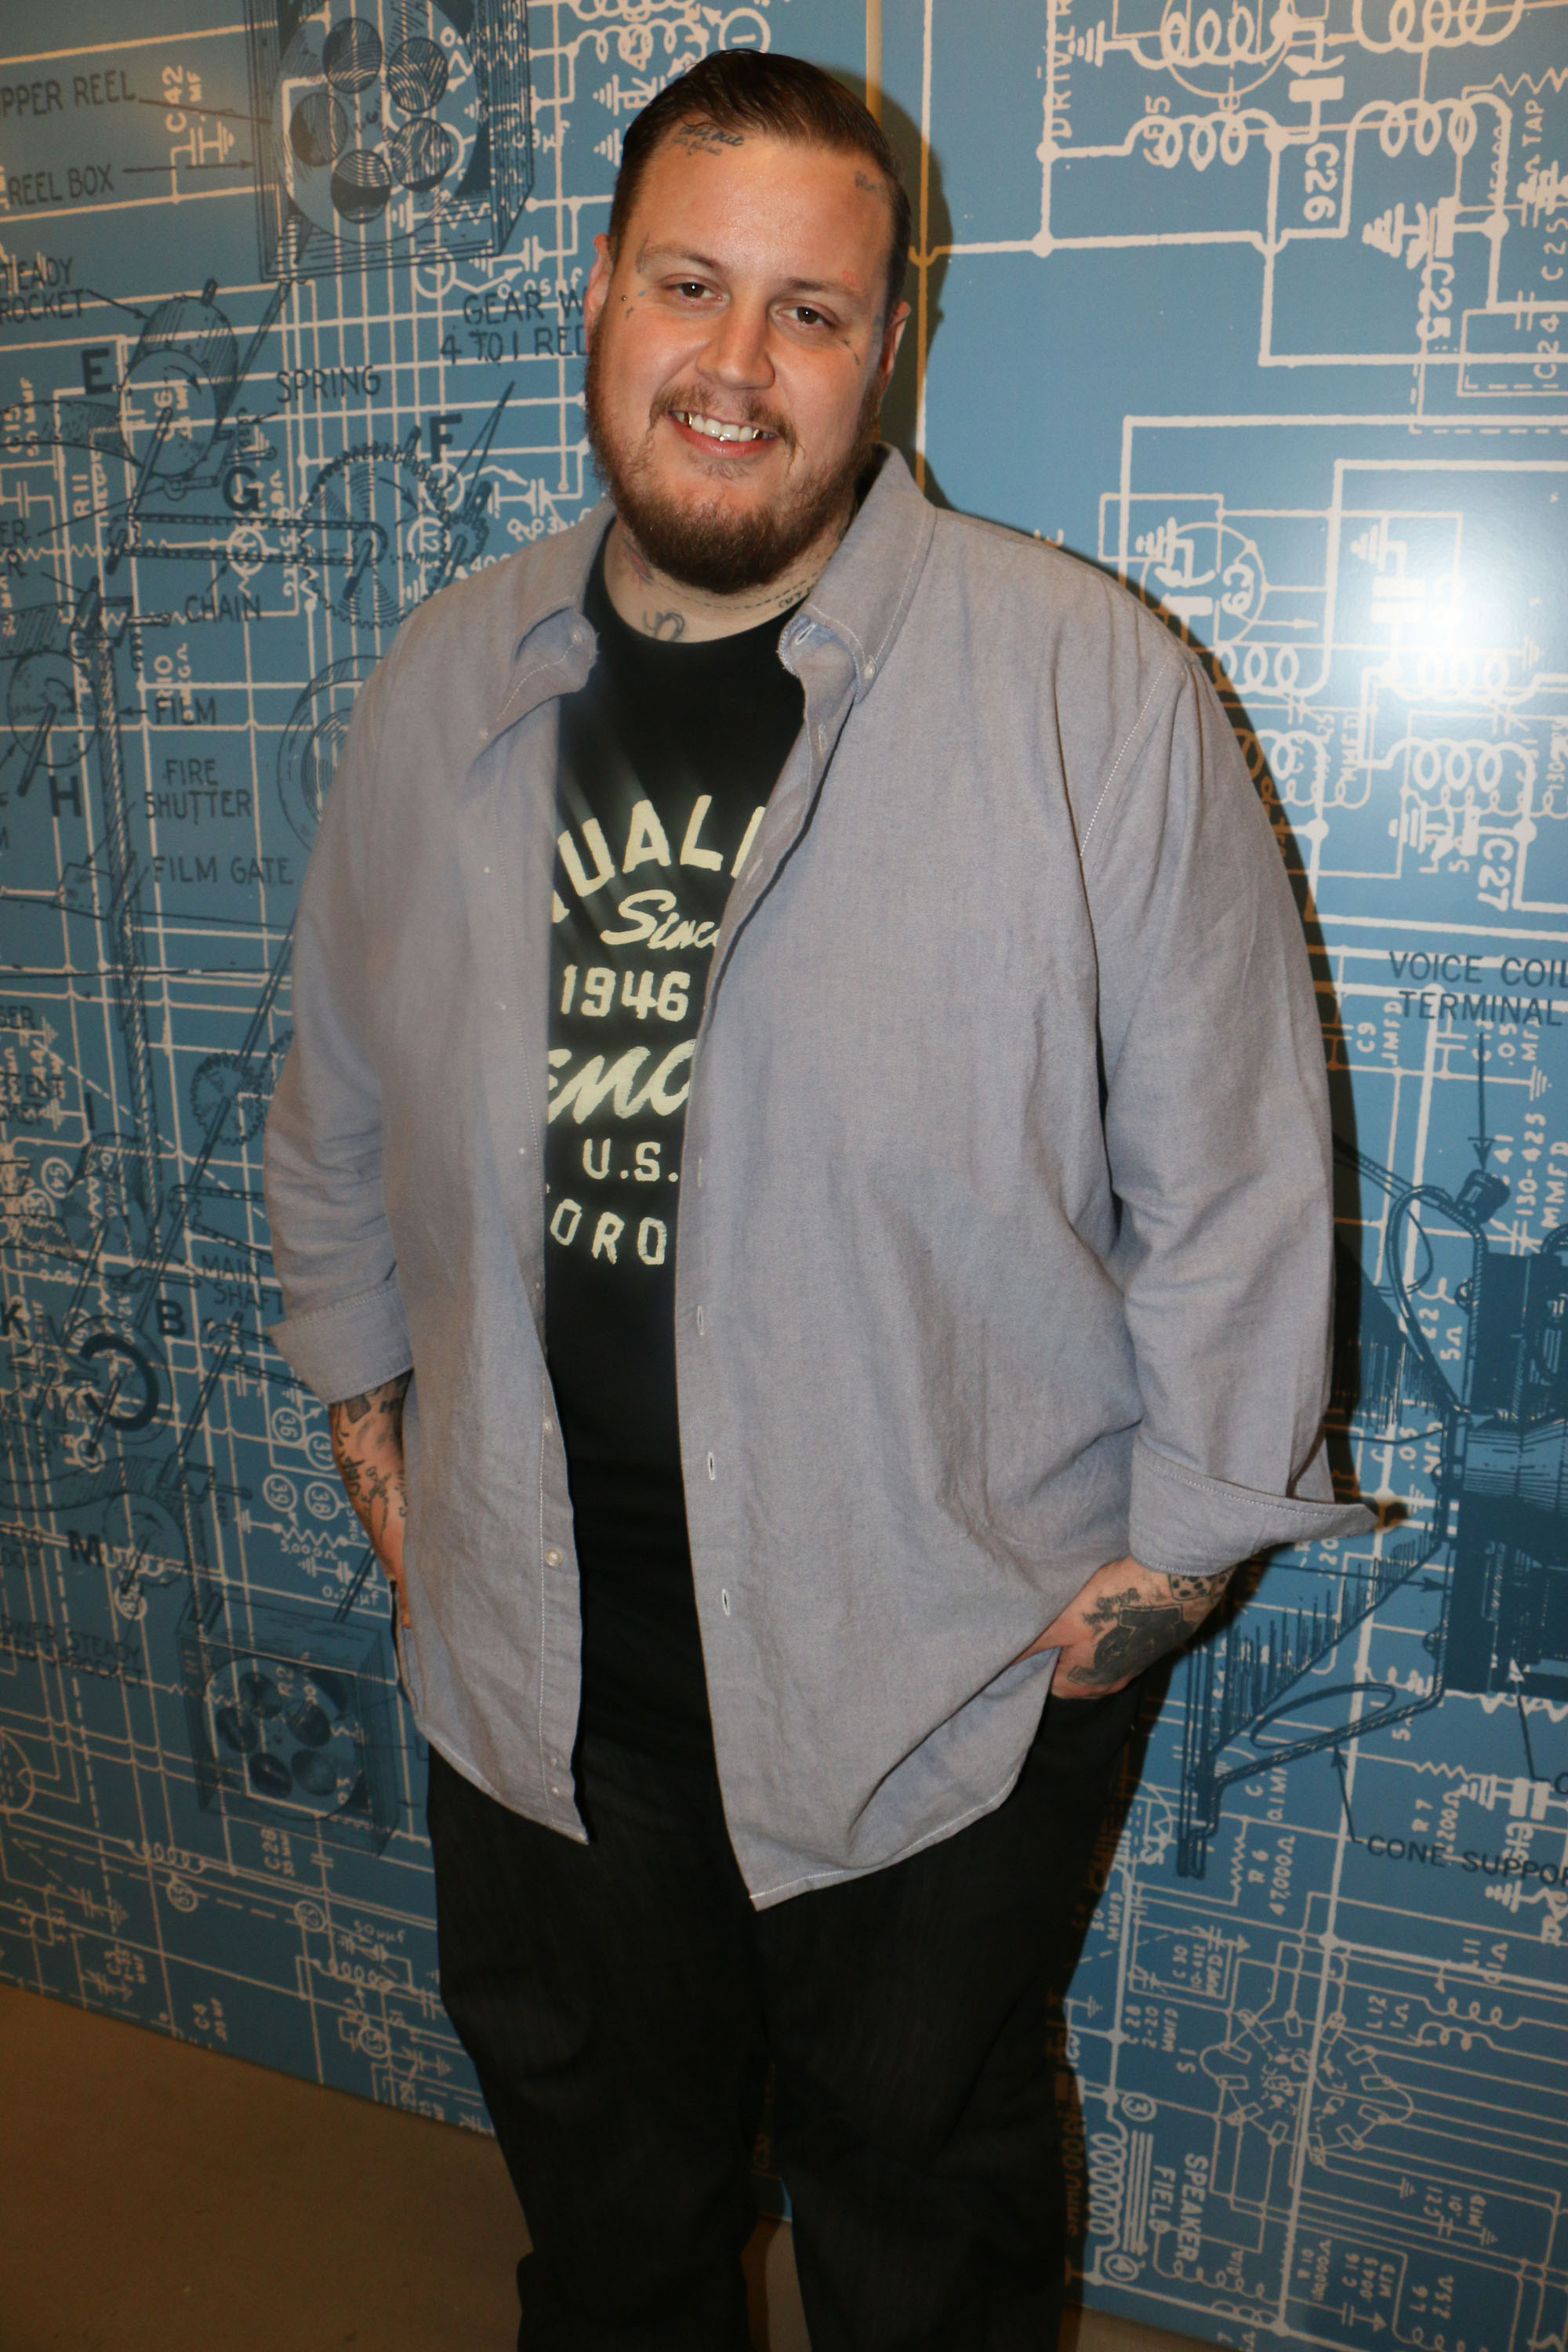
{"type": "Point", "coordinates": [1167, 137]}
{"type": "Point", "coordinates": [1420, 119]}
{"type": "Point", "coordinates": [1445, 25]}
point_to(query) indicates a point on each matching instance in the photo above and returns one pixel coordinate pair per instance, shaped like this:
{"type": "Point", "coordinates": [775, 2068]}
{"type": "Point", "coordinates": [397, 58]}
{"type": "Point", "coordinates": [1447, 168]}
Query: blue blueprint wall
{"type": "Point", "coordinates": [1257, 308]}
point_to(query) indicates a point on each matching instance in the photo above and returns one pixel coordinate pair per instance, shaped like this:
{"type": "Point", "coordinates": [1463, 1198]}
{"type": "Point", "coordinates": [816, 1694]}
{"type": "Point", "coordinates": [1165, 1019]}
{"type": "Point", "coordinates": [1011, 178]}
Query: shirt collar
{"type": "Point", "coordinates": [555, 579]}
{"type": "Point", "coordinates": [860, 599]}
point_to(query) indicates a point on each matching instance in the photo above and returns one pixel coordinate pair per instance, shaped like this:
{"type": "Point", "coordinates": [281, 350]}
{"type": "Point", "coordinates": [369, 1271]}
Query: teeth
{"type": "Point", "coordinates": [715, 430]}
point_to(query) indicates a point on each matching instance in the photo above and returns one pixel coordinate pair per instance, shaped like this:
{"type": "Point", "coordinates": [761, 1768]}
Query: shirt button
{"type": "Point", "coordinates": [553, 1557]}
{"type": "Point", "coordinates": [701, 1326]}
{"type": "Point", "coordinates": [724, 1602]}
{"type": "Point", "coordinates": [712, 1467]}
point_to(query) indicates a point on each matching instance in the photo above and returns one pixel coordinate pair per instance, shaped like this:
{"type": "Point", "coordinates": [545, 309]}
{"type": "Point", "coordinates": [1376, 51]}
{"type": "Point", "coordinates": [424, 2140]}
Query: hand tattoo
{"type": "Point", "coordinates": [367, 1447]}
{"type": "Point", "coordinates": [1130, 1631]}
{"type": "Point", "coordinates": [386, 1401]}
{"type": "Point", "coordinates": [665, 626]}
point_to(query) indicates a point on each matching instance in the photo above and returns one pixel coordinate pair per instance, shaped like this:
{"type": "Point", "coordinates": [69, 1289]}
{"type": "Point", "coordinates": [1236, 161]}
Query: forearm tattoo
{"type": "Point", "coordinates": [1131, 1628]}
{"type": "Point", "coordinates": [367, 1447]}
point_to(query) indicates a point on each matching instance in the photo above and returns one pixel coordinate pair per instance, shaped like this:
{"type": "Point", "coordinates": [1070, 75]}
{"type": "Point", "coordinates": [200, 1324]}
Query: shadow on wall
{"type": "Point", "coordinates": [901, 408]}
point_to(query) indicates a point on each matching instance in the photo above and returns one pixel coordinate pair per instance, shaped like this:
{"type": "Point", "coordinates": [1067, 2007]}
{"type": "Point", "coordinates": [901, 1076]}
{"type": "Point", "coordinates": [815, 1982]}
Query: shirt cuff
{"type": "Point", "coordinates": [1185, 1523]}
{"type": "Point", "coordinates": [351, 1346]}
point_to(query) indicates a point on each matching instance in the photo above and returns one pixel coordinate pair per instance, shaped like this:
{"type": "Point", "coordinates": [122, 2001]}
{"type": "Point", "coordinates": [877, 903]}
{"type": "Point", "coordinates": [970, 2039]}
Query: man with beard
{"type": "Point", "coordinates": [880, 898]}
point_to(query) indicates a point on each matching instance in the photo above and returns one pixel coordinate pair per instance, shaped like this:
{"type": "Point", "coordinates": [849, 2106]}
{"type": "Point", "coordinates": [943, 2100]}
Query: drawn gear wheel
{"type": "Point", "coordinates": [230, 1093]}
{"type": "Point", "coordinates": [314, 738]}
{"type": "Point", "coordinates": [375, 536]}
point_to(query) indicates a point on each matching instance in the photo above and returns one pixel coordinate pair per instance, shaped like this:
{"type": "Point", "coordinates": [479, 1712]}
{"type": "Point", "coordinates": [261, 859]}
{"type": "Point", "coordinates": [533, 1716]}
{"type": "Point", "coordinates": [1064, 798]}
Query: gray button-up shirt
{"type": "Point", "coordinates": [1003, 1233]}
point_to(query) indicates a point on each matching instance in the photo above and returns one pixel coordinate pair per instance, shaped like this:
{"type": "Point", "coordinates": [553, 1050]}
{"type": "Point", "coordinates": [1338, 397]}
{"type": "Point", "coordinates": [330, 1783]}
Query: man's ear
{"type": "Point", "coordinates": [892, 336]}
{"type": "Point", "coordinates": [597, 291]}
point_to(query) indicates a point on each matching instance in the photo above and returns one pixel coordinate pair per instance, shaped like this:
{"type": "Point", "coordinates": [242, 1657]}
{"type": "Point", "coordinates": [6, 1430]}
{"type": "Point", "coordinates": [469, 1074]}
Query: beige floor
{"type": "Point", "coordinates": [156, 2198]}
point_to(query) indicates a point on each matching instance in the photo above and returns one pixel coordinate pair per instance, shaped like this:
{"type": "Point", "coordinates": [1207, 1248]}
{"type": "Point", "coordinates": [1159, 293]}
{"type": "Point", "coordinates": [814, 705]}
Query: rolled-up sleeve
{"type": "Point", "coordinates": [1217, 1133]}
{"type": "Point", "coordinates": [344, 1330]}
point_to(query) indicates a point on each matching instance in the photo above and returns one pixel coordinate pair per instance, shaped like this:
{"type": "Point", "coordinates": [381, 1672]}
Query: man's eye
{"type": "Point", "coordinates": [806, 316]}
{"type": "Point", "coordinates": [689, 286]}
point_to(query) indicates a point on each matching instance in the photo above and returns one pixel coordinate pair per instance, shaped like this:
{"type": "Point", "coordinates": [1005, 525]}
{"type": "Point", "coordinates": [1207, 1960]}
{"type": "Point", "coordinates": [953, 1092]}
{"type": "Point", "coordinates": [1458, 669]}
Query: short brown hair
{"type": "Point", "coordinates": [737, 90]}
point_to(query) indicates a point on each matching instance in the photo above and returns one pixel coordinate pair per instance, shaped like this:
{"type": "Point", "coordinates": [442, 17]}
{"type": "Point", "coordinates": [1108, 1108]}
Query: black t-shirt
{"type": "Point", "coordinates": [667, 756]}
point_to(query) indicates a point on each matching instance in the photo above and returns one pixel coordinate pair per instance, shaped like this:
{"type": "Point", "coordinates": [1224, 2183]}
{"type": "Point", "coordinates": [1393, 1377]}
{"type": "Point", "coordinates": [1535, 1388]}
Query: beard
{"type": "Point", "coordinates": [702, 543]}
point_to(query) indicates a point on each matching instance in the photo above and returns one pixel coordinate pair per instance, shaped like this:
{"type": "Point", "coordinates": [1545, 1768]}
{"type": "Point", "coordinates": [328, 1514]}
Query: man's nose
{"type": "Point", "coordinates": [738, 354]}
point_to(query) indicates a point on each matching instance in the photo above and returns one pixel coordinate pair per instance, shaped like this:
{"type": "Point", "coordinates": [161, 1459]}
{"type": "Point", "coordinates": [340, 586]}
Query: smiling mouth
{"type": "Point", "coordinates": [716, 429]}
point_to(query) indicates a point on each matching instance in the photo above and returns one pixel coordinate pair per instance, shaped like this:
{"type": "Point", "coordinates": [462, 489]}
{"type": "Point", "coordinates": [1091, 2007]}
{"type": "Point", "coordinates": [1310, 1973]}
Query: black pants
{"type": "Point", "coordinates": [621, 1999]}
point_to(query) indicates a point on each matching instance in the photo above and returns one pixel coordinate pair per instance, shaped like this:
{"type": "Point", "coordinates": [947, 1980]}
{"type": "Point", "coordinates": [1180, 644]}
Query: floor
{"type": "Point", "coordinates": [158, 2198]}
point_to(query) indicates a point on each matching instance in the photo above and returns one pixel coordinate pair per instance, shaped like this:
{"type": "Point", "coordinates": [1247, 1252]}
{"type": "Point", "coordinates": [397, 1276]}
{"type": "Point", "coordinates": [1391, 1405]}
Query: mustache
{"type": "Point", "coordinates": [687, 398]}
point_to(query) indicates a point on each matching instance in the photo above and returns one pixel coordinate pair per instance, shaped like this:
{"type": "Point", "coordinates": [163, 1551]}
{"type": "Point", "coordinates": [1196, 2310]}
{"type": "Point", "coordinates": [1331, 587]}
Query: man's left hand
{"type": "Point", "coordinates": [1125, 1618]}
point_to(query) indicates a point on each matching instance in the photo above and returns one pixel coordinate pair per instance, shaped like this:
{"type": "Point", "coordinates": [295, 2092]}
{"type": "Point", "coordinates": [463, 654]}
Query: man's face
{"type": "Point", "coordinates": [746, 298]}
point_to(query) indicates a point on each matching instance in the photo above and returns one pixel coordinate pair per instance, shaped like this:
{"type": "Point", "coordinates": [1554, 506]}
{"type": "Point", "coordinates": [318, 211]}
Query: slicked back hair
{"type": "Point", "coordinates": [741, 90]}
